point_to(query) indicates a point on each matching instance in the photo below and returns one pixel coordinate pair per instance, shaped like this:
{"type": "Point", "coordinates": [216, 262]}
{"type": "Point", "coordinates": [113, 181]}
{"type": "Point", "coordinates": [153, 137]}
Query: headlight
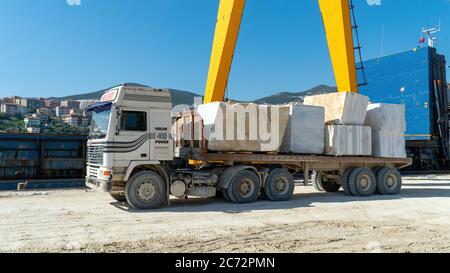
{"type": "Point", "coordinates": [105, 174]}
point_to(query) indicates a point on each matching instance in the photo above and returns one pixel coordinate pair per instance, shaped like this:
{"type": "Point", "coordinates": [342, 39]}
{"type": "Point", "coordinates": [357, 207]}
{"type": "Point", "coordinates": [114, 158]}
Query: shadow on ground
{"type": "Point", "coordinates": [300, 200]}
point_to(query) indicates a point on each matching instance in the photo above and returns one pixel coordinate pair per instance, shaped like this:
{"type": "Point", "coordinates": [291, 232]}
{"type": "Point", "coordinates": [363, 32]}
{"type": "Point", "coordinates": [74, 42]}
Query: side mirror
{"type": "Point", "coordinates": [118, 121]}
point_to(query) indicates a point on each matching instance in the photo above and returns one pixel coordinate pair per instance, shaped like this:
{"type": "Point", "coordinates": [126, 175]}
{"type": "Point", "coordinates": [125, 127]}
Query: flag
{"type": "Point", "coordinates": [422, 40]}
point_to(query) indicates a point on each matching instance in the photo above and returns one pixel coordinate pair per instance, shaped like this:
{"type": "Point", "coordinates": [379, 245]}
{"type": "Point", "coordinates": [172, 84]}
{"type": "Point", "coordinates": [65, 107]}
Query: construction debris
{"type": "Point", "coordinates": [305, 132]}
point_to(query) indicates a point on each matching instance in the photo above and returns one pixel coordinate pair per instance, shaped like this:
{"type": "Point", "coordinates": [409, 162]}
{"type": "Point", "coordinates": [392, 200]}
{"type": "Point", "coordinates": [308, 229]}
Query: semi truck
{"type": "Point", "coordinates": [132, 155]}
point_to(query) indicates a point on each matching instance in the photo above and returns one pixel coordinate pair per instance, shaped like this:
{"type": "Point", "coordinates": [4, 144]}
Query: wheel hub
{"type": "Point", "coordinates": [391, 181]}
{"type": "Point", "coordinates": [246, 187]}
{"type": "Point", "coordinates": [146, 191]}
{"type": "Point", "coordinates": [364, 182]}
{"type": "Point", "coordinates": [281, 184]}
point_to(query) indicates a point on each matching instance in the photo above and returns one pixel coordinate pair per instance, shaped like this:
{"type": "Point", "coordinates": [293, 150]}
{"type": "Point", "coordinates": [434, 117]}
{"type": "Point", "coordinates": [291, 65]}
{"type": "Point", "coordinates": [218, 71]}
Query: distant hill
{"type": "Point", "coordinates": [287, 97]}
{"type": "Point", "coordinates": [178, 96]}
{"type": "Point", "coordinates": [186, 97]}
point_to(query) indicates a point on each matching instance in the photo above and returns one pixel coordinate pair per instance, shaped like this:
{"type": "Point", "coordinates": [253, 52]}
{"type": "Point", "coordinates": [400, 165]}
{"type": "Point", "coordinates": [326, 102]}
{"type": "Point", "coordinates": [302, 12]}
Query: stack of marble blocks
{"type": "Point", "coordinates": [345, 130]}
{"type": "Point", "coordinates": [388, 125]}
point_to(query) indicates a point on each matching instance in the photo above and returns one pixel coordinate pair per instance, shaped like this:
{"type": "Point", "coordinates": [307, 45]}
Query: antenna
{"type": "Point", "coordinates": [429, 32]}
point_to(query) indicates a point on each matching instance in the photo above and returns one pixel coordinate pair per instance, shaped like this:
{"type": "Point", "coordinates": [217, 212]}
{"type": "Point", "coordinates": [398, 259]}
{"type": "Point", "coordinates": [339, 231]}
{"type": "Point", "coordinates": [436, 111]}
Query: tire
{"type": "Point", "coordinates": [389, 181]}
{"type": "Point", "coordinates": [344, 181]}
{"type": "Point", "coordinates": [375, 172]}
{"type": "Point", "coordinates": [120, 197]}
{"type": "Point", "coordinates": [362, 182]}
{"type": "Point", "coordinates": [330, 186]}
{"type": "Point", "coordinates": [146, 190]}
{"type": "Point", "coordinates": [263, 196]}
{"type": "Point", "coordinates": [316, 180]}
{"type": "Point", "coordinates": [320, 185]}
{"type": "Point", "coordinates": [226, 196]}
{"type": "Point", "coordinates": [279, 186]}
{"type": "Point", "coordinates": [244, 187]}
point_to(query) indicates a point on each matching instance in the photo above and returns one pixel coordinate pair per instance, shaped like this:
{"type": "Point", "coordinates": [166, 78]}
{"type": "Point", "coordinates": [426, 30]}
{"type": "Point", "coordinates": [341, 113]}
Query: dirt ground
{"type": "Point", "coordinates": [418, 220]}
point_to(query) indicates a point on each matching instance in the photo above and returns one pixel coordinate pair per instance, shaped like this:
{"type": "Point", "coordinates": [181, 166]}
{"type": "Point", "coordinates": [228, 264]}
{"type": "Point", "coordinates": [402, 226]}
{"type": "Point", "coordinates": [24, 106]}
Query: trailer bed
{"type": "Point", "coordinates": [304, 162]}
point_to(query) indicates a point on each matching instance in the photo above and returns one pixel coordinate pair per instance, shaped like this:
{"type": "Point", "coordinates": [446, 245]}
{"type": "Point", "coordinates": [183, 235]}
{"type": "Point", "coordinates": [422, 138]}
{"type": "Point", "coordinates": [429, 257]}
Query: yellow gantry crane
{"type": "Point", "coordinates": [339, 33]}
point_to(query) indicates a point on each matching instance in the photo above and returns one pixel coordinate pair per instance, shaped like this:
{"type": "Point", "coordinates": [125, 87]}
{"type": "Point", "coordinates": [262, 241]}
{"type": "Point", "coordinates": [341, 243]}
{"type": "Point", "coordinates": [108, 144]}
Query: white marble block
{"type": "Point", "coordinates": [305, 132]}
{"type": "Point", "coordinates": [243, 127]}
{"type": "Point", "coordinates": [388, 144]}
{"type": "Point", "coordinates": [341, 140]}
{"type": "Point", "coordinates": [386, 117]}
{"type": "Point", "coordinates": [341, 108]}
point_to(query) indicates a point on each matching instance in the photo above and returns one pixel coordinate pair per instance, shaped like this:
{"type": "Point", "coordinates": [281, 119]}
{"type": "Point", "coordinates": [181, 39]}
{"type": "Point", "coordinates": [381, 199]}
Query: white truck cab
{"type": "Point", "coordinates": [131, 126]}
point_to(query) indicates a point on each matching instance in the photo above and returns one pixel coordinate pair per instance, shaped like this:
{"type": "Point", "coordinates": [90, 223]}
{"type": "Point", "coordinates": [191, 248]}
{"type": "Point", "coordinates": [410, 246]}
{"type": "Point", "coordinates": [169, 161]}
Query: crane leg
{"type": "Point", "coordinates": [225, 38]}
{"type": "Point", "coordinates": [338, 28]}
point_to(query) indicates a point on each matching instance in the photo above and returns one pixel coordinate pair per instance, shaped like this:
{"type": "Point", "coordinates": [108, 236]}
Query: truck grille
{"type": "Point", "coordinates": [92, 172]}
{"type": "Point", "coordinates": [95, 154]}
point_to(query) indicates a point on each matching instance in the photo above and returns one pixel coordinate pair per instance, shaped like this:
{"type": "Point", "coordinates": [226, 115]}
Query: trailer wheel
{"type": "Point", "coordinates": [322, 185]}
{"type": "Point", "coordinates": [279, 186]}
{"type": "Point", "coordinates": [120, 197]}
{"type": "Point", "coordinates": [362, 182]}
{"type": "Point", "coordinates": [145, 190]}
{"type": "Point", "coordinates": [245, 187]}
{"type": "Point", "coordinates": [344, 181]}
{"type": "Point", "coordinates": [226, 196]}
{"type": "Point", "coordinates": [389, 181]}
{"type": "Point", "coordinates": [316, 180]}
{"type": "Point", "coordinates": [331, 186]}
{"type": "Point", "coordinates": [375, 172]}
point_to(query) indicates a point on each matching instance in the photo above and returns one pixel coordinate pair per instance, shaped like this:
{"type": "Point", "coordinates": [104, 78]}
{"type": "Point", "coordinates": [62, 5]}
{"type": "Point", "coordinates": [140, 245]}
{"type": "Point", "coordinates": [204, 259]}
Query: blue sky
{"type": "Point", "coordinates": [49, 48]}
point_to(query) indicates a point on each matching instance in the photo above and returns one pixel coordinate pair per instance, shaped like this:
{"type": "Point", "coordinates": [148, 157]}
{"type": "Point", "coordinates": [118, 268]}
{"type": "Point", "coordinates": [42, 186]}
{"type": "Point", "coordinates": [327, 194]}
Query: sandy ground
{"type": "Point", "coordinates": [418, 220]}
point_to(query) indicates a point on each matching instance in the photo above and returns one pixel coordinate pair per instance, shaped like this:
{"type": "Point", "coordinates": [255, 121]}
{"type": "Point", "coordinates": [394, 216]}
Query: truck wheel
{"type": "Point", "coordinates": [244, 187]}
{"type": "Point", "coordinates": [226, 196]}
{"type": "Point", "coordinates": [375, 172]}
{"type": "Point", "coordinates": [120, 197]}
{"type": "Point", "coordinates": [279, 186]}
{"type": "Point", "coordinates": [321, 185]}
{"type": "Point", "coordinates": [145, 190]}
{"type": "Point", "coordinates": [330, 186]}
{"type": "Point", "coordinates": [345, 178]}
{"type": "Point", "coordinates": [362, 182]}
{"type": "Point", "coordinates": [316, 179]}
{"type": "Point", "coordinates": [389, 181]}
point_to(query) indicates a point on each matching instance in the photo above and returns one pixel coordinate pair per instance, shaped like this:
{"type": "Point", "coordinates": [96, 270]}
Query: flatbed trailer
{"type": "Point", "coordinates": [329, 173]}
{"type": "Point", "coordinates": [303, 162]}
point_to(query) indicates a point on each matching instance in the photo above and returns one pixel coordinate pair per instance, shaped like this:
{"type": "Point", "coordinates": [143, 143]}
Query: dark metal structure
{"type": "Point", "coordinates": [416, 78]}
{"type": "Point", "coordinates": [32, 156]}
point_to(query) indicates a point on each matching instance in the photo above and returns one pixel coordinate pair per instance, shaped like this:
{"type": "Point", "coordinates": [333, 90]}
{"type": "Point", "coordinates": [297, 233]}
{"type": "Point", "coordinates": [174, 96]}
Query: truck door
{"type": "Point", "coordinates": [133, 140]}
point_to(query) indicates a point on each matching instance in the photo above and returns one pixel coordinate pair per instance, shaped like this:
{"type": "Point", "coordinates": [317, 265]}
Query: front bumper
{"type": "Point", "coordinates": [94, 183]}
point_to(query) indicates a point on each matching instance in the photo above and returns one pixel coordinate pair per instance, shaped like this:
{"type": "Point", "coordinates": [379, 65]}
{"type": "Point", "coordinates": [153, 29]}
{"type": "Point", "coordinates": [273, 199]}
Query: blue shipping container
{"type": "Point", "coordinates": [407, 78]}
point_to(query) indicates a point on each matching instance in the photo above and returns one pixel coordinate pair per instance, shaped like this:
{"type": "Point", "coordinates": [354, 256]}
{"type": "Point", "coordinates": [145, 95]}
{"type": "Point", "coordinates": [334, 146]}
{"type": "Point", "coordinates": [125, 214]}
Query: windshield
{"type": "Point", "coordinates": [100, 122]}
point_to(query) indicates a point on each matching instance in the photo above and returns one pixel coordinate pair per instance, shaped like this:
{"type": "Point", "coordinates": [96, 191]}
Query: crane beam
{"type": "Point", "coordinates": [225, 38]}
{"type": "Point", "coordinates": [339, 33]}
